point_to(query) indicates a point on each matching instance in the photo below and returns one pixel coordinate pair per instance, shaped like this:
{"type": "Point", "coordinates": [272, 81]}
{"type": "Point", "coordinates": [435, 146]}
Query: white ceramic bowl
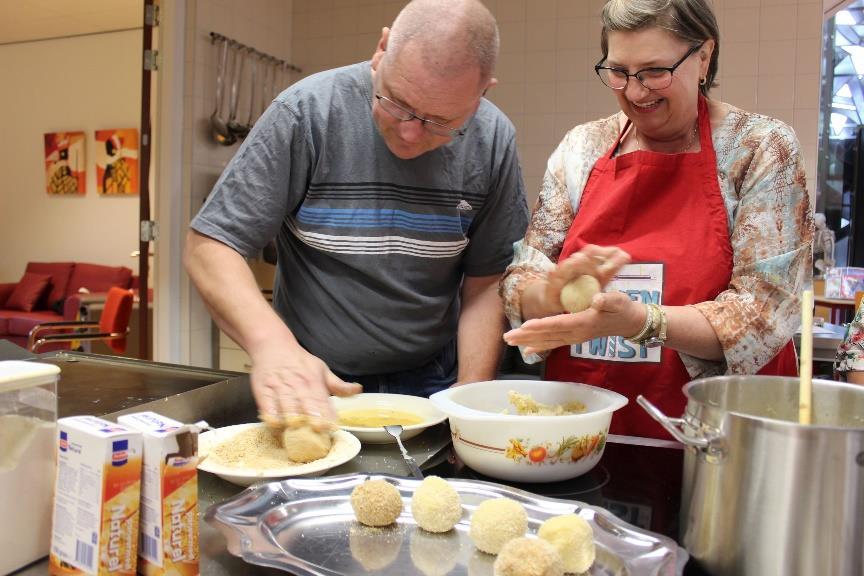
{"type": "Point", "coordinates": [528, 448]}
{"type": "Point", "coordinates": [345, 447]}
{"type": "Point", "coordinates": [418, 405]}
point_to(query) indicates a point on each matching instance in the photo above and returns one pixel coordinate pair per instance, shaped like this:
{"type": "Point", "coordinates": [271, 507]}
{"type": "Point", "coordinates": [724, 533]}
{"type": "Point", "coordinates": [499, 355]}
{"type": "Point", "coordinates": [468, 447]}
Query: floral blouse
{"type": "Point", "coordinates": [850, 354]}
{"type": "Point", "coordinates": [762, 180]}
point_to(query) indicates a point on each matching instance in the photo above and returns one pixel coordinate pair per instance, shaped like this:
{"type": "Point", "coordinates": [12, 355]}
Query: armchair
{"type": "Point", "coordinates": [112, 328]}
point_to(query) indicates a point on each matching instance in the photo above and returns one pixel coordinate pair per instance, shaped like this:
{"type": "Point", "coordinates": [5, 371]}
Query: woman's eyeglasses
{"type": "Point", "coordinates": [654, 78]}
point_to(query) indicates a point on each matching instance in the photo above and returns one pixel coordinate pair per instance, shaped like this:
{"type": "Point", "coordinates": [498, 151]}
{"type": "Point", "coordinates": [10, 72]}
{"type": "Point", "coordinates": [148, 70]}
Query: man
{"type": "Point", "coordinates": [394, 192]}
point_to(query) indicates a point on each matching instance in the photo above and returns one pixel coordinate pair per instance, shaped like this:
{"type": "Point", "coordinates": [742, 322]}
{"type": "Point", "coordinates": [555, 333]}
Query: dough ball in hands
{"type": "Point", "coordinates": [304, 438]}
{"type": "Point", "coordinates": [436, 506]}
{"type": "Point", "coordinates": [577, 294]}
{"type": "Point", "coordinates": [495, 522]}
{"type": "Point", "coordinates": [528, 557]}
{"type": "Point", "coordinates": [376, 503]}
{"type": "Point", "coordinates": [573, 537]}
{"type": "Point", "coordinates": [304, 444]}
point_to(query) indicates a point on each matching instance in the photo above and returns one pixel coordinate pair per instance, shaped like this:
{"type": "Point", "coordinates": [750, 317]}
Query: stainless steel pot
{"type": "Point", "coordinates": [762, 494]}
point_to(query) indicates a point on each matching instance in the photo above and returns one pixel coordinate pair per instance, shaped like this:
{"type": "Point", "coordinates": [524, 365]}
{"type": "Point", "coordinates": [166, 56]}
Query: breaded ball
{"type": "Point", "coordinates": [434, 554]}
{"type": "Point", "coordinates": [528, 557]}
{"type": "Point", "coordinates": [376, 503]}
{"type": "Point", "coordinates": [304, 444]}
{"type": "Point", "coordinates": [577, 294]}
{"type": "Point", "coordinates": [495, 522]}
{"type": "Point", "coordinates": [436, 505]}
{"type": "Point", "coordinates": [374, 548]}
{"type": "Point", "coordinates": [573, 537]}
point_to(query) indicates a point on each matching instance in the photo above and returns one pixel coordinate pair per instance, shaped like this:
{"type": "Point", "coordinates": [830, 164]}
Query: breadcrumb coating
{"type": "Point", "coordinates": [496, 521]}
{"type": "Point", "coordinates": [436, 505]}
{"type": "Point", "coordinates": [376, 503]}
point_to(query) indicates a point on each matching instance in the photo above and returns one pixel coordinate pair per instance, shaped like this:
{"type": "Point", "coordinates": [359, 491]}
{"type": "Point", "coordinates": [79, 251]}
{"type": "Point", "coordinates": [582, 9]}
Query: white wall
{"type": "Point", "coordinates": [86, 83]}
{"type": "Point", "coordinates": [261, 24]}
{"type": "Point", "coordinates": [769, 62]}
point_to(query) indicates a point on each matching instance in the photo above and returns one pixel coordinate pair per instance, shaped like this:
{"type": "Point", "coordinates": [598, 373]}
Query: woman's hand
{"type": "Point", "coordinates": [610, 314]}
{"type": "Point", "coordinates": [542, 297]}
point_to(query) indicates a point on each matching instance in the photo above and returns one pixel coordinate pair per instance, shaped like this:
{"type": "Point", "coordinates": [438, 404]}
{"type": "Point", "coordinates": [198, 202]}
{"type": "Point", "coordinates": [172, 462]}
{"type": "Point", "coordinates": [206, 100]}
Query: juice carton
{"type": "Point", "coordinates": [97, 497]}
{"type": "Point", "coordinates": [169, 495]}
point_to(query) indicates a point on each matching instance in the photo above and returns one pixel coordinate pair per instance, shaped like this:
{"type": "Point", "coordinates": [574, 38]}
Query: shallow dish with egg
{"type": "Point", "coordinates": [365, 415]}
{"type": "Point", "coordinates": [491, 437]}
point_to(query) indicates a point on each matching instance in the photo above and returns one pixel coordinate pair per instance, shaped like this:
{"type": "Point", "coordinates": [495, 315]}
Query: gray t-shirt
{"type": "Point", "coordinates": [371, 248]}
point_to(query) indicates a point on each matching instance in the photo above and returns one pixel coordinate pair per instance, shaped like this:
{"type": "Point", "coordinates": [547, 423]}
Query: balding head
{"type": "Point", "coordinates": [452, 36]}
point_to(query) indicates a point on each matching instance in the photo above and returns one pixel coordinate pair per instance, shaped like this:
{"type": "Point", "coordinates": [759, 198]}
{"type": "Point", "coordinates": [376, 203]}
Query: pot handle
{"type": "Point", "coordinates": [672, 425]}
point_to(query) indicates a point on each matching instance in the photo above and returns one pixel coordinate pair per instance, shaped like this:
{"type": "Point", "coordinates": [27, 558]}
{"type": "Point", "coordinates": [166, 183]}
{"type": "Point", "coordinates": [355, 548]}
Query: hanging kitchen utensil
{"type": "Point", "coordinates": [266, 83]}
{"type": "Point", "coordinates": [276, 88]}
{"type": "Point", "coordinates": [236, 128]}
{"type": "Point", "coordinates": [218, 125]}
{"type": "Point", "coordinates": [253, 88]}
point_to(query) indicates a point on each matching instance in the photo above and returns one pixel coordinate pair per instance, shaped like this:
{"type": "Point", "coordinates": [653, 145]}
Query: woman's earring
{"type": "Point", "coordinates": [703, 81]}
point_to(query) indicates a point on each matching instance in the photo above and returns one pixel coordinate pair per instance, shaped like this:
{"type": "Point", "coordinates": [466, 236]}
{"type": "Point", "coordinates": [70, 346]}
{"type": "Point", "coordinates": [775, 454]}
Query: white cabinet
{"type": "Point", "coordinates": [231, 356]}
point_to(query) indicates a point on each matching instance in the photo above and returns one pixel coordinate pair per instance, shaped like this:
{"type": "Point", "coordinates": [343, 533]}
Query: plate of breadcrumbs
{"type": "Point", "coordinates": [249, 453]}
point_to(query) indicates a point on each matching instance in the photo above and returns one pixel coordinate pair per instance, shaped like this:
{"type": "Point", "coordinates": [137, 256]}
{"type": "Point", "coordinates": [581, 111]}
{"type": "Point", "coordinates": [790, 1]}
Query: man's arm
{"type": "Point", "coordinates": [285, 378]}
{"type": "Point", "coordinates": [481, 325]}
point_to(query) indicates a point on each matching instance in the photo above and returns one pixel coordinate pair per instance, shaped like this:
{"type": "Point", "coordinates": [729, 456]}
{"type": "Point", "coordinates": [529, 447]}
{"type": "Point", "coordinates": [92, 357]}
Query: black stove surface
{"type": "Point", "coordinates": [640, 484]}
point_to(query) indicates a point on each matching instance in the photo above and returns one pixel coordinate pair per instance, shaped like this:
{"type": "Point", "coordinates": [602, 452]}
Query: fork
{"type": "Point", "coordinates": [395, 430]}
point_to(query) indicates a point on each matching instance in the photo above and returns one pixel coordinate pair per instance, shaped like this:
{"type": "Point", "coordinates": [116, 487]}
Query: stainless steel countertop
{"type": "Point", "coordinates": [221, 398]}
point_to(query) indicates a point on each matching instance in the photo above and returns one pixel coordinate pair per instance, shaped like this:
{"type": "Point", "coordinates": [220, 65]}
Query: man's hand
{"type": "Point", "coordinates": [295, 383]}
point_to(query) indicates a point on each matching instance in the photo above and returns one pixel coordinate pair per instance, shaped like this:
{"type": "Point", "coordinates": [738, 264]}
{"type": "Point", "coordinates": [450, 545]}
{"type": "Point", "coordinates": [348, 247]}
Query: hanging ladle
{"type": "Point", "coordinates": [250, 119]}
{"type": "Point", "coordinates": [218, 126]}
{"type": "Point", "coordinates": [236, 128]}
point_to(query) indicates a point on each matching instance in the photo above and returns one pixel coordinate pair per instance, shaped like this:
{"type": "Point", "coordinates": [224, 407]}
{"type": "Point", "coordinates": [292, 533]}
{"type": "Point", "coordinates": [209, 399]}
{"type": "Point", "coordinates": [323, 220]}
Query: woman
{"type": "Point", "coordinates": [706, 202]}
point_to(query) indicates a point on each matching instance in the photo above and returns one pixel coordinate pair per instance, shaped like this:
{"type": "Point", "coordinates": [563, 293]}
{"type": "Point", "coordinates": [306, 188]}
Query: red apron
{"type": "Point", "coordinates": [667, 212]}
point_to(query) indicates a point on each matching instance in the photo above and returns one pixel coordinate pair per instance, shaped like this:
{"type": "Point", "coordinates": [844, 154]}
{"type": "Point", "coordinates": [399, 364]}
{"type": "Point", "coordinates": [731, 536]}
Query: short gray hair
{"type": "Point", "coordinates": [451, 33]}
{"type": "Point", "coordinates": [693, 21]}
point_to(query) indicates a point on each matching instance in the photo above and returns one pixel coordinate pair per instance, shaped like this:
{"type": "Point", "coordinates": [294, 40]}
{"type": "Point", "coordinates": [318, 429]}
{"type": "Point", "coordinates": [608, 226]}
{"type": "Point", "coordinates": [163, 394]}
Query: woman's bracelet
{"type": "Point", "coordinates": [647, 328]}
{"type": "Point", "coordinates": [653, 333]}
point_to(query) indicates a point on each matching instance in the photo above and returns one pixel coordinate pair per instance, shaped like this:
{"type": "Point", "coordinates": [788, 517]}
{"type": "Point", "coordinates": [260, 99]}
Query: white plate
{"type": "Point", "coordinates": [345, 447]}
{"type": "Point", "coordinates": [418, 405]}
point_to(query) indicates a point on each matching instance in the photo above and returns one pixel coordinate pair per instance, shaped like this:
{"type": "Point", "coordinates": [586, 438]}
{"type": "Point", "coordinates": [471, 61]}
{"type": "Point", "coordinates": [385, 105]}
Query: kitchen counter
{"type": "Point", "coordinates": [638, 480]}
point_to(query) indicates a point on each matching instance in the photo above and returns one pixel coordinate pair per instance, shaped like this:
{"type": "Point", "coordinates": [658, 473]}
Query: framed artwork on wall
{"type": "Point", "coordinates": [65, 163]}
{"type": "Point", "coordinates": [117, 161]}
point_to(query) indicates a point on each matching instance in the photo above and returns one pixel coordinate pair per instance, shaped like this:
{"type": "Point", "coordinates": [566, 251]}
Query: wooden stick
{"type": "Point", "coordinates": [805, 392]}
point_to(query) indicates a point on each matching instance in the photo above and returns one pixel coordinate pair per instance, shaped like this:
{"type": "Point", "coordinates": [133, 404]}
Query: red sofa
{"type": "Point", "coordinates": [51, 292]}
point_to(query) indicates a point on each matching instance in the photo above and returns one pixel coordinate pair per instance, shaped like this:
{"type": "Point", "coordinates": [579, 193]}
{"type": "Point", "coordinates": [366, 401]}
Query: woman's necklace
{"type": "Point", "coordinates": [689, 145]}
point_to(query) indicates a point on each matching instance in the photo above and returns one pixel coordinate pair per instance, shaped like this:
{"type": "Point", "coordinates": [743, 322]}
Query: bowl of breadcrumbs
{"type": "Point", "coordinates": [249, 453]}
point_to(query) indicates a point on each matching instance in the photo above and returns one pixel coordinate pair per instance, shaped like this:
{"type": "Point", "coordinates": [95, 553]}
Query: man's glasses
{"type": "Point", "coordinates": [405, 115]}
{"type": "Point", "coordinates": [654, 78]}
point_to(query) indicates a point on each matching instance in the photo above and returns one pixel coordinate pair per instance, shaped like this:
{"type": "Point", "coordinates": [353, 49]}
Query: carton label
{"type": "Point", "coordinates": [97, 501]}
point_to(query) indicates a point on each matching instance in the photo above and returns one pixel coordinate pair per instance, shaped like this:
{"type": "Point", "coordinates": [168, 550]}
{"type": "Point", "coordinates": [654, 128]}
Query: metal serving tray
{"type": "Point", "coordinates": [307, 527]}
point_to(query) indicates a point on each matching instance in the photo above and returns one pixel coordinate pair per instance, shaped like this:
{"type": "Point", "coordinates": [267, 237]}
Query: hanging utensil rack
{"type": "Point", "coordinates": [216, 37]}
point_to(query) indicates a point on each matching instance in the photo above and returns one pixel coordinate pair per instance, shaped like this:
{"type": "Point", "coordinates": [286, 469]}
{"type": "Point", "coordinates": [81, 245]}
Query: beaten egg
{"type": "Point", "coordinates": [377, 417]}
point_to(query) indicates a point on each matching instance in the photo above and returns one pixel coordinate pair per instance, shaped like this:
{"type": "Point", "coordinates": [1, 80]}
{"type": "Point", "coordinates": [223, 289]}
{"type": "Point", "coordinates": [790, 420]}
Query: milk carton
{"type": "Point", "coordinates": [169, 495]}
{"type": "Point", "coordinates": [96, 498]}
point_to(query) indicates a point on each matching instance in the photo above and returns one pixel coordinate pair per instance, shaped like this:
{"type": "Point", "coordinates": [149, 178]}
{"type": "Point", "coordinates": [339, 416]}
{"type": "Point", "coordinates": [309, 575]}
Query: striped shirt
{"type": "Point", "coordinates": [372, 249]}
